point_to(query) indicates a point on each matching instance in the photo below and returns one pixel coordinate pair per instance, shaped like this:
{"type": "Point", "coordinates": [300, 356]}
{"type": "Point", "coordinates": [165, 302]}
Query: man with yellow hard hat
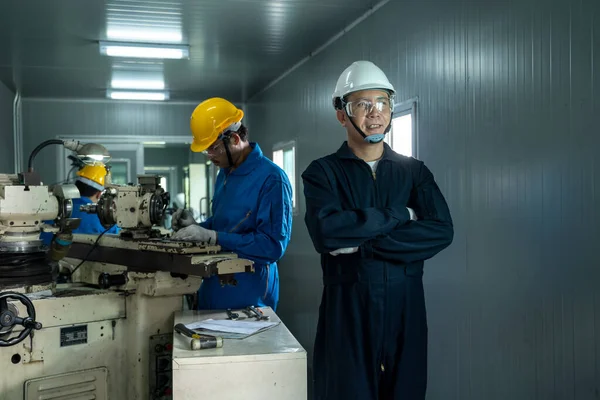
{"type": "Point", "coordinates": [90, 182]}
{"type": "Point", "coordinates": [251, 208]}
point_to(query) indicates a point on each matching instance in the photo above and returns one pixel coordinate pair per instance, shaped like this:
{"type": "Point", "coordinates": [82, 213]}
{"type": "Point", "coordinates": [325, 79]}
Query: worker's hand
{"type": "Point", "coordinates": [182, 218]}
{"type": "Point", "coordinates": [346, 250]}
{"type": "Point", "coordinates": [413, 215]}
{"type": "Point", "coordinates": [196, 233]}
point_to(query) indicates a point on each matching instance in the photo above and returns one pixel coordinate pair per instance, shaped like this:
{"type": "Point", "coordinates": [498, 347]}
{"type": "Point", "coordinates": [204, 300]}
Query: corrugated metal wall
{"type": "Point", "coordinates": [6, 130]}
{"type": "Point", "coordinates": [48, 118]}
{"type": "Point", "coordinates": [509, 118]}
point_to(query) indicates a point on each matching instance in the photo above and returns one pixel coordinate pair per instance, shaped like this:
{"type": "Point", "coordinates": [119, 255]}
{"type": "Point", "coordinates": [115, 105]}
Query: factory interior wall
{"type": "Point", "coordinates": [508, 122]}
{"type": "Point", "coordinates": [45, 119]}
{"type": "Point", "coordinates": [6, 130]}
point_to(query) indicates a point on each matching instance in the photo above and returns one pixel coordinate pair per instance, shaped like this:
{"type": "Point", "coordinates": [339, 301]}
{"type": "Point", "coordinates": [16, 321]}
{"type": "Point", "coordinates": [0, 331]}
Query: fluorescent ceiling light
{"type": "Point", "coordinates": [138, 76]}
{"type": "Point", "coordinates": [137, 84]}
{"type": "Point", "coordinates": [122, 95]}
{"type": "Point", "coordinates": [148, 34]}
{"type": "Point", "coordinates": [138, 50]}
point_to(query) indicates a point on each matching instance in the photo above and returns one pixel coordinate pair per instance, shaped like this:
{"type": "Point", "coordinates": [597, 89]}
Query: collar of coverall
{"type": "Point", "coordinates": [345, 152]}
{"type": "Point", "coordinates": [249, 163]}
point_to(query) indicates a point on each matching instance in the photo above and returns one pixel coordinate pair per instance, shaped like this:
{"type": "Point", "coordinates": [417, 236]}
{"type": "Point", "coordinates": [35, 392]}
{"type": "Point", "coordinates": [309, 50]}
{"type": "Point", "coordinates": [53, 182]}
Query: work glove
{"type": "Point", "coordinates": [182, 218]}
{"type": "Point", "coordinates": [196, 233]}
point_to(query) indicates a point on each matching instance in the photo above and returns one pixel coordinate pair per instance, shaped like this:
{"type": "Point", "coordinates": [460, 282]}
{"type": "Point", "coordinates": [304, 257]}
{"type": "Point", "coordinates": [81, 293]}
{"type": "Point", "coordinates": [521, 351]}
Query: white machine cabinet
{"type": "Point", "coordinates": [268, 365]}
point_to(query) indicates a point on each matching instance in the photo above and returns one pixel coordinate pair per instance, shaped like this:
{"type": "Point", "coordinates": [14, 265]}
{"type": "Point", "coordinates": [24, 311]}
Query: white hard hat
{"type": "Point", "coordinates": [360, 75]}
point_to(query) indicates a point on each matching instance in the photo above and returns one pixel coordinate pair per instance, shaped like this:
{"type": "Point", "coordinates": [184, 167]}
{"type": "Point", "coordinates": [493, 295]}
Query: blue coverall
{"type": "Point", "coordinates": [90, 223]}
{"type": "Point", "coordinates": [371, 340]}
{"type": "Point", "coordinates": [252, 214]}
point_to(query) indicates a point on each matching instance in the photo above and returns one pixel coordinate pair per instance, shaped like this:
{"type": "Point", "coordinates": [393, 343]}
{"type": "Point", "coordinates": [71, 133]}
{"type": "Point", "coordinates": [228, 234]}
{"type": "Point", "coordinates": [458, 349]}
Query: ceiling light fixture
{"type": "Point", "coordinates": [137, 84]}
{"type": "Point", "coordinates": [147, 35]}
{"type": "Point", "coordinates": [123, 95]}
{"type": "Point", "coordinates": [140, 50]}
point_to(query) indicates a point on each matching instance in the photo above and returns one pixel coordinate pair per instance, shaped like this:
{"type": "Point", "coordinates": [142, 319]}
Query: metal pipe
{"type": "Point", "coordinates": [17, 132]}
{"type": "Point", "coordinates": [37, 150]}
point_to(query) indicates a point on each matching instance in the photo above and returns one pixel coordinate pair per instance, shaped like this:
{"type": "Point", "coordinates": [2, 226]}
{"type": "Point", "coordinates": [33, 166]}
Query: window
{"type": "Point", "coordinates": [198, 185]}
{"type": "Point", "coordinates": [402, 136]}
{"type": "Point", "coordinates": [186, 184]}
{"type": "Point", "coordinates": [119, 171]}
{"type": "Point", "coordinates": [284, 155]}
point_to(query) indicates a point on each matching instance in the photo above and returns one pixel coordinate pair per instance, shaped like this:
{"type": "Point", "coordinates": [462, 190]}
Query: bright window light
{"type": "Point", "coordinates": [284, 155]}
{"type": "Point", "coordinates": [117, 49]}
{"type": "Point", "coordinates": [402, 137]}
{"type": "Point", "coordinates": [122, 95]}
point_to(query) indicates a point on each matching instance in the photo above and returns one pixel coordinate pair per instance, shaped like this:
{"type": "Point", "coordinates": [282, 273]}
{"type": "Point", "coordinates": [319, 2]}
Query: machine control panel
{"type": "Point", "coordinates": [161, 373]}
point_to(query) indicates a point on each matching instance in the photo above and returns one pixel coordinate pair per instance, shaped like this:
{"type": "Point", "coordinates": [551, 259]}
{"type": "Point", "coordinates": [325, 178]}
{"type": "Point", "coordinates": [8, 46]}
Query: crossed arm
{"type": "Point", "coordinates": [388, 232]}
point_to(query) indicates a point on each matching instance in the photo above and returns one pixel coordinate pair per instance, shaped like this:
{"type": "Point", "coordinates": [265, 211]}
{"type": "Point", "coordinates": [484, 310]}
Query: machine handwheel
{"type": "Point", "coordinates": [9, 319]}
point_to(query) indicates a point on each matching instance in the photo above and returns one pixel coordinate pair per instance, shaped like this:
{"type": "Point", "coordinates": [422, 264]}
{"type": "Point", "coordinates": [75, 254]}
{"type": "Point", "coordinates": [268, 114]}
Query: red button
{"type": "Point", "coordinates": [169, 347]}
{"type": "Point", "coordinates": [168, 392]}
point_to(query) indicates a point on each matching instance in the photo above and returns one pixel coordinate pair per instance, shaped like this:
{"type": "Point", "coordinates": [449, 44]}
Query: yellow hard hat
{"type": "Point", "coordinates": [92, 175]}
{"type": "Point", "coordinates": [210, 119]}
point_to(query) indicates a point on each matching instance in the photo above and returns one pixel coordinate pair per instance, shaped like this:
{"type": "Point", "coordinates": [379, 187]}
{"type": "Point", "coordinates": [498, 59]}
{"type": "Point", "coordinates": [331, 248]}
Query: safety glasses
{"type": "Point", "coordinates": [364, 107]}
{"type": "Point", "coordinates": [217, 148]}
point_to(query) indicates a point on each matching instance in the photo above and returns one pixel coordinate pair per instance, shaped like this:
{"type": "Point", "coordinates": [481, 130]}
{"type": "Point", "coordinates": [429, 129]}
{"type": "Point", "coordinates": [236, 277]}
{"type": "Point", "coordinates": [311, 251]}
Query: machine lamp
{"type": "Point", "coordinates": [88, 153]}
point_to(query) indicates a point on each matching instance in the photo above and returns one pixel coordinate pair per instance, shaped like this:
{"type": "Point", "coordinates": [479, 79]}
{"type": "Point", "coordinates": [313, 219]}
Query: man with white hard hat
{"type": "Point", "coordinates": [374, 216]}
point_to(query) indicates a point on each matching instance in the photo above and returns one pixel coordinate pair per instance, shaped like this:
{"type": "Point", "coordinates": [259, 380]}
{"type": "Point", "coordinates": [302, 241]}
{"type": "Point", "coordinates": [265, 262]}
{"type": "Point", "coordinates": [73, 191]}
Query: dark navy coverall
{"type": "Point", "coordinates": [371, 338]}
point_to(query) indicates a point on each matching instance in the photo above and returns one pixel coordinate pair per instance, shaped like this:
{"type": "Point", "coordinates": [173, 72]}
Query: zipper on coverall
{"type": "Point", "coordinates": [385, 277]}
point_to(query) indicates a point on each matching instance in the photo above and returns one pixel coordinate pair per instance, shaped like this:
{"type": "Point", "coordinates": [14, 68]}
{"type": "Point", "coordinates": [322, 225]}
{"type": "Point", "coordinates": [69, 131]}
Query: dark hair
{"type": "Point", "coordinates": [243, 133]}
{"type": "Point", "coordinates": [86, 190]}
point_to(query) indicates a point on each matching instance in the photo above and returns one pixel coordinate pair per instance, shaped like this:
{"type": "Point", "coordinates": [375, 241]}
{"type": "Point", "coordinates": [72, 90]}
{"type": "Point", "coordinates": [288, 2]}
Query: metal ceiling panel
{"type": "Point", "coordinates": [50, 48]}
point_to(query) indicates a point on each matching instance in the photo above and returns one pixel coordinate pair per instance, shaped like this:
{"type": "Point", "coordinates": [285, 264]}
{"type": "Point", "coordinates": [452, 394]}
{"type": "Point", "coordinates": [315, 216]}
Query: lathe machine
{"type": "Point", "coordinates": [106, 333]}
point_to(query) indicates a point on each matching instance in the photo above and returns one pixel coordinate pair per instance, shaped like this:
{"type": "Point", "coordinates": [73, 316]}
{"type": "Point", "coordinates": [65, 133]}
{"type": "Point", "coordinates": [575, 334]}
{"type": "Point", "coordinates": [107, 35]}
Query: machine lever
{"type": "Point", "coordinates": [252, 311]}
{"type": "Point", "coordinates": [231, 315]}
{"type": "Point", "coordinates": [9, 319]}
